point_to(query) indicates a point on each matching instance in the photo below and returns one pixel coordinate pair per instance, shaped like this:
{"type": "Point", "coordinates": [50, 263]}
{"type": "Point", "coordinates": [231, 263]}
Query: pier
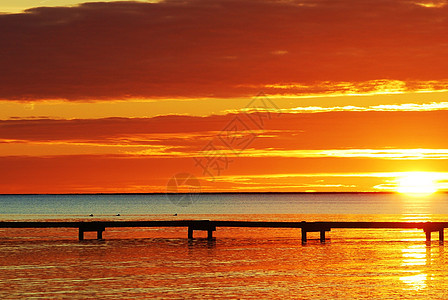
{"type": "Point", "coordinates": [211, 226]}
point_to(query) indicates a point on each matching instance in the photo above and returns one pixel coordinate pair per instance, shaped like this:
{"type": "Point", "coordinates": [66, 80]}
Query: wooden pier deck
{"type": "Point", "coordinates": [210, 226]}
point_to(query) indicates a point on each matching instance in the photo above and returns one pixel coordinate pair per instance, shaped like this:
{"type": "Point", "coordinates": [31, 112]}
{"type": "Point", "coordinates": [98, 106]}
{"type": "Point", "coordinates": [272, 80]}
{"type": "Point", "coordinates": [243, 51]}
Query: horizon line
{"type": "Point", "coordinates": [205, 193]}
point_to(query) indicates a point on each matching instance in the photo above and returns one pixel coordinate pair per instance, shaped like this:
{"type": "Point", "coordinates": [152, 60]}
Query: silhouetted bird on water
{"type": "Point", "coordinates": [91, 215]}
{"type": "Point", "coordinates": [175, 215]}
{"type": "Point", "coordinates": [118, 215]}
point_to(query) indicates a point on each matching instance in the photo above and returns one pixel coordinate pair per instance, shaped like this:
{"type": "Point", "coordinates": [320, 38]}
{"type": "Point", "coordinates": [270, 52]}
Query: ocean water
{"type": "Point", "coordinates": [241, 263]}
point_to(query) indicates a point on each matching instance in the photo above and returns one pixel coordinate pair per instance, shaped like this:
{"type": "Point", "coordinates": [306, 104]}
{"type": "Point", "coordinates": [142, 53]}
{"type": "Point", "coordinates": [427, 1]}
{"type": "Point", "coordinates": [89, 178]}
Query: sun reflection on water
{"type": "Point", "coordinates": [414, 257]}
{"type": "Point", "coordinates": [416, 218]}
{"type": "Point", "coordinates": [416, 206]}
{"type": "Point", "coordinates": [416, 282]}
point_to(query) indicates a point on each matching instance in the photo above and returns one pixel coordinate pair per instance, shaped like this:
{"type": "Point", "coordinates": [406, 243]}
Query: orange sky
{"type": "Point", "coordinates": [245, 95]}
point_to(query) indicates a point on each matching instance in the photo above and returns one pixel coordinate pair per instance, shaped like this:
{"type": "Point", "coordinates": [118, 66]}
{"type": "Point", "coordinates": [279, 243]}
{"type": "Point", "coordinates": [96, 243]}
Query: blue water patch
{"type": "Point", "coordinates": [154, 204]}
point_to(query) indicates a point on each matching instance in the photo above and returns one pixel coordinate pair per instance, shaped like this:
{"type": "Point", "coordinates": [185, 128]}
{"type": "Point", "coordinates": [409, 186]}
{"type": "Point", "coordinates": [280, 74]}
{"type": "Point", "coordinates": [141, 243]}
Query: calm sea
{"type": "Point", "coordinates": [238, 264]}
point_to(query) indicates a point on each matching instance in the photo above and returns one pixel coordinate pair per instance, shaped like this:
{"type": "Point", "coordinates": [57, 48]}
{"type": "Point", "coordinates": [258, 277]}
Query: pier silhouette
{"type": "Point", "coordinates": [210, 226]}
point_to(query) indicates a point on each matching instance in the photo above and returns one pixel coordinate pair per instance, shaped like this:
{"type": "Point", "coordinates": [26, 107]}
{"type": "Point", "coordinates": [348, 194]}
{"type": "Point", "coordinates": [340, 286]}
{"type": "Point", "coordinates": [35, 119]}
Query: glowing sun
{"type": "Point", "coordinates": [417, 183]}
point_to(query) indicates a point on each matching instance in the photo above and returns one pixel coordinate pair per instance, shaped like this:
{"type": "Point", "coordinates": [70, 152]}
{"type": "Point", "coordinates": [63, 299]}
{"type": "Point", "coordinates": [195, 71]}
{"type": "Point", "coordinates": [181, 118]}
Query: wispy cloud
{"type": "Point", "coordinates": [432, 4]}
{"type": "Point", "coordinates": [378, 181]}
{"type": "Point", "coordinates": [383, 107]}
{"type": "Point", "coordinates": [371, 134]}
{"type": "Point", "coordinates": [370, 87]}
{"type": "Point", "coordinates": [411, 154]}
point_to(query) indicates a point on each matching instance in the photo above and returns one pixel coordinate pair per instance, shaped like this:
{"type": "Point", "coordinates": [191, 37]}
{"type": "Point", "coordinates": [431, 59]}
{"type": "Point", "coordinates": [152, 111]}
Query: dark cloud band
{"type": "Point", "coordinates": [222, 48]}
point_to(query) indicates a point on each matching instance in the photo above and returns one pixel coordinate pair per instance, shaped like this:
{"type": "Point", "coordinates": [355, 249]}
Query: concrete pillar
{"type": "Point", "coordinates": [99, 234]}
{"type": "Point", "coordinates": [190, 232]}
{"type": "Point", "coordinates": [441, 235]}
{"type": "Point", "coordinates": [80, 234]}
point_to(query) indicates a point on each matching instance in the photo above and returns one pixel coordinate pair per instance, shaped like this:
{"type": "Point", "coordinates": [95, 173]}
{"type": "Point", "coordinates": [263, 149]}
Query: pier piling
{"type": "Point", "coordinates": [428, 235]}
{"type": "Point", "coordinates": [322, 236]}
{"type": "Point", "coordinates": [204, 225]}
{"type": "Point", "coordinates": [91, 227]}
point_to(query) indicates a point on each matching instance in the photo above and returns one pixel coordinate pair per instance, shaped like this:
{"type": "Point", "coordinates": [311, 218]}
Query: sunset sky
{"type": "Point", "coordinates": [246, 96]}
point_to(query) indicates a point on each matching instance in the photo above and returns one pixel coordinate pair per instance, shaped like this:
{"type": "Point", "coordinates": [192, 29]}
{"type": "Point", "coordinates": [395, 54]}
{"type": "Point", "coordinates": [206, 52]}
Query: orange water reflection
{"type": "Point", "coordinates": [416, 282]}
{"type": "Point", "coordinates": [240, 263]}
{"type": "Point", "coordinates": [418, 262]}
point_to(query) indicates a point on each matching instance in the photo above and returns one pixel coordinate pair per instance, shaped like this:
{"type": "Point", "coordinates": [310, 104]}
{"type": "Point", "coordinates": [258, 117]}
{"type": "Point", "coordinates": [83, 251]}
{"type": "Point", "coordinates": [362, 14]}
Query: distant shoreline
{"type": "Point", "coordinates": [211, 193]}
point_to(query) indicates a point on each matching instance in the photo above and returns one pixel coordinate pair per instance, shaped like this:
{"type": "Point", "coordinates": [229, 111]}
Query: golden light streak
{"type": "Point", "coordinates": [13, 7]}
{"type": "Point", "coordinates": [385, 107]}
{"type": "Point", "coordinates": [141, 108]}
{"type": "Point", "coordinates": [432, 4]}
{"type": "Point", "coordinates": [392, 175]}
{"type": "Point", "coordinates": [401, 154]}
{"type": "Point", "coordinates": [316, 181]}
{"type": "Point", "coordinates": [371, 87]}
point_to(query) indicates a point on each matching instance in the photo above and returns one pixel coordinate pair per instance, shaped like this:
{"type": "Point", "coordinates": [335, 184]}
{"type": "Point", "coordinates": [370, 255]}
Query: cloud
{"type": "Point", "coordinates": [110, 130]}
{"type": "Point", "coordinates": [279, 136]}
{"type": "Point", "coordinates": [384, 107]}
{"type": "Point", "coordinates": [114, 173]}
{"type": "Point", "coordinates": [370, 87]}
{"type": "Point", "coordinates": [201, 48]}
{"type": "Point", "coordinates": [400, 154]}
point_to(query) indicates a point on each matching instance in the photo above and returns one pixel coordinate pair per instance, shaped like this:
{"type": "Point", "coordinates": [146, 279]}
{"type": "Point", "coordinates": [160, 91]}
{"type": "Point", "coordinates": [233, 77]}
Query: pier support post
{"type": "Point", "coordinates": [428, 236]}
{"type": "Point", "coordinates": [304, 235]}
{"type": "Point", "coordinates": [322, 236]}
{"type": "Point", "coordinates": [210, 234]}
{"type": "Point", "coordinates": [204, 225]}
{"type": "Point", "coordinates": [441, 235]}
{"type": "Point", "coordinates": [99, 231]}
